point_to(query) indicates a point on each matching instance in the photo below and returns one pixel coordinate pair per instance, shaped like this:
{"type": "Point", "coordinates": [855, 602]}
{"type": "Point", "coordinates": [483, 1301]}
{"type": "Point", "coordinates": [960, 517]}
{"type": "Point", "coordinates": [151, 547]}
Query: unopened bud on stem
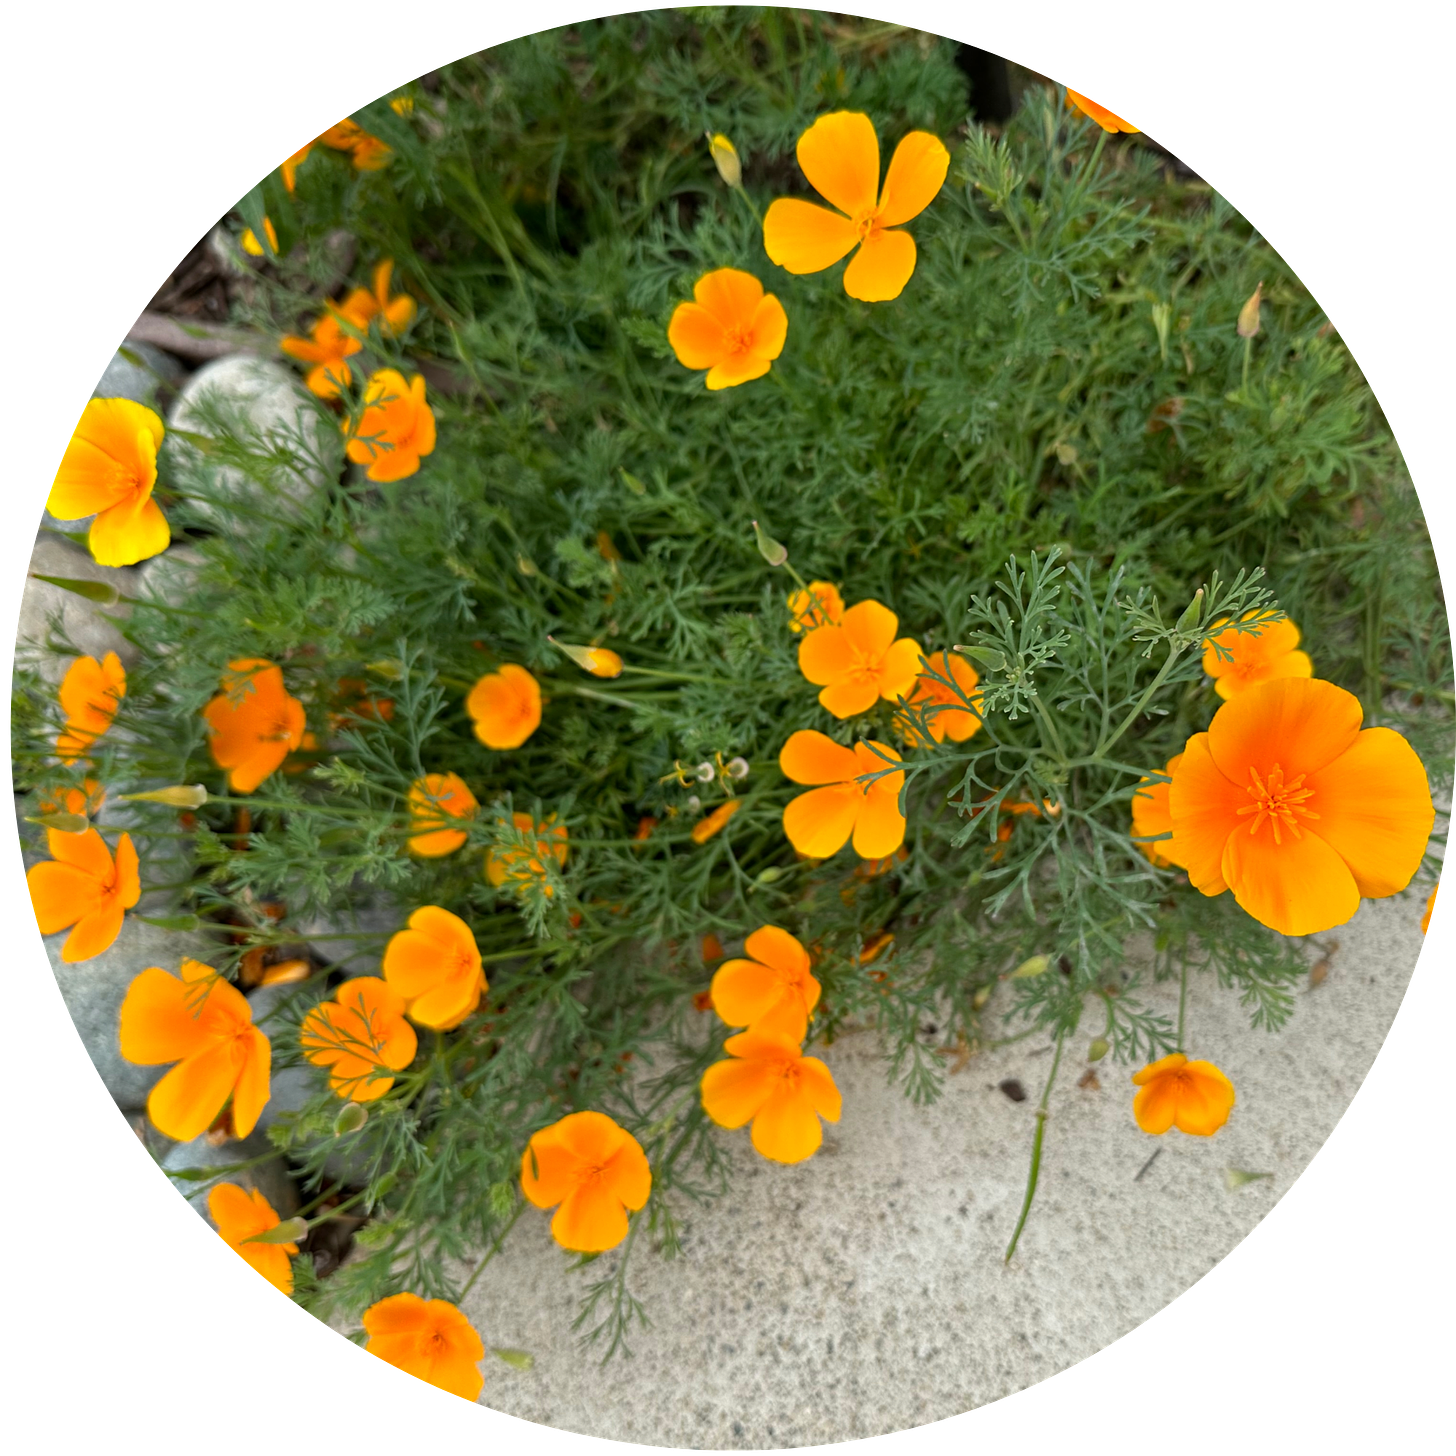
{"type": "Point", "coordinates": [771, 551]}
{"type": "Point", "coordinates": [988, 657]}
{"type": "Point", "coordinates": [1191, 613]}
{"type": "Point", "coordinates": [1249, 313]}
{"type": "Point", "coordinates": [725, 158]}
{"type": "Point", "coordinates": [287, 1232]}
{"type": "Point", "coordinates": [179, 796]}
{"type": "Point", "coordinates": [352, 1116]}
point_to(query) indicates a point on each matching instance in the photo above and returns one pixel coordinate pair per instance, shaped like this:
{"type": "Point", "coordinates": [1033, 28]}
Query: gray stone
{"type": "Point", "coordinates": [89, 627]}
{"type": "Point", "coordinates": [140, 377]}
{"type": "Point", "coordinates": [265, 408]}
{"type": "Point", "coordinates": [270, 1178]}
{"type": "Point", "coordinates": [93, 991]}
{"type": "Point", "coordinates": [357, 957]}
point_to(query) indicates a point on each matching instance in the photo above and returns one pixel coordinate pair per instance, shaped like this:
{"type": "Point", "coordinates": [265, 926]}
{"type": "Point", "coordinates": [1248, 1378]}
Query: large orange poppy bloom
{"type": "Point", "coordinates": [595, 1170]}
{"type": "Point", "coordinates": [434, 964]}
{"type": "Point", "coordinates": [858, 659]}
{"type": "Point", "coordinates": [205, 1025]}
{"type": "Point", "coordinates": [429, 1339]}
{"type": "Point", "coordinates": [950, 717]}
{"type": "Point", "coordinates": [254, 723]}
{"type": "Point", "coordinates": [733, 329]}
{"type": "Point", "coordinates": [81, 885]}
{"type": "Point", "coordinates": [1256, 658]}
{"type": "Point", "coordinates": [520, 867]}
{"type": "Point", "coordinates": [361, 1036]}
{"type": "Point", "coordinates": [1100, 114]}
{"type": "Point", "coordinates": [240, 1215]}
{"type": "Point", "coordinates": [395, 429]}
{"type": "Point", "coordinates": [772, 989]}
{"type": "Point", "coordinates": [431, 800]}
{"type": "Point", "coordinates": [840, 155]}
{"type": "Point", "coordinates": [1286, 802]}
{"type": "Point", "coordinates": [820, 605]}
{"type": "Point", "coordinates": [1151, 814]}
{"type": "Point", "coordinates": [108, 471]}
{"type": "Point", "coordinates": [90, 694]}
{"type": "Point", "coordinates": [1194, 1097]}
{"type": "Point", "coordinates": [820, 822]}
{"type": "Point", "coordinates": [769, 1081]}
{"type": "Point", "coordinates": [505, 707]}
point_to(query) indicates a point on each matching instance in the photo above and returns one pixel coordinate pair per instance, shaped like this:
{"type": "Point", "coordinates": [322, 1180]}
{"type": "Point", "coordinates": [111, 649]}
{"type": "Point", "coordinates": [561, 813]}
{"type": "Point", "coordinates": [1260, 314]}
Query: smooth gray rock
{"type": "Point", "coordinates": [140, 377]}
{"type": "Point", "coordinates": [355, 956]}
{"type": "Point", "coordinates": [88, 626]}
{"type": "Point", "coordinates": [264, 407]}
{"type": "Point", "coordinates": [269, 1178]}
{"type": "Point", "coordinates": [93, 992]}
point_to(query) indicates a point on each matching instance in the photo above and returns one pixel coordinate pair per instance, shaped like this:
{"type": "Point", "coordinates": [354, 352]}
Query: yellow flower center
{"type": "Point", "coordinates": [738, 338]}
{"type": "Point", "coordinates": [866, 222]}
{"type": "Point", "coordinates": [1277, 802]}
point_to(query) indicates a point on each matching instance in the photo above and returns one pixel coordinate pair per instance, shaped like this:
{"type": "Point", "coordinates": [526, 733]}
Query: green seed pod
{"type": "Point", "coordinates": [988, 657]}
{"type": "Point", "coordinates": [1033, 967]}
{"type": "Point", "coordinates": [287, 1232]}
{"type": "Point", "coordinates": [1191, 613]}
{"type": "Point", "coordinates": [517, 1359]}
{"type": "Point", "coordinates": [179, 796]}
{"type": "Point", "coordinates": [352, 1116]}
{"type": "Point", "coordinates": [771, 551]}
{"type": "Point", "coordinates": [61, 821]}
{"type": "Point", "coordinates": [1098, 1049]}
{"type": "Point", "coordinates": [768, 876]}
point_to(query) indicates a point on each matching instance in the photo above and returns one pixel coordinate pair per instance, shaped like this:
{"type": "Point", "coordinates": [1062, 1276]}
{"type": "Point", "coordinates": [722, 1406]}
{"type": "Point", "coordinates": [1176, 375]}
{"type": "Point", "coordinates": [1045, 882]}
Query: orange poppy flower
{"type": "Point", "coordinates": [240, 1215]}
{"type": "Point", "coordinates": [1430, 905]}
{"type": "Point", "coordinates": [83, 802]}
{"type": "Point", "coordinates": [434, 964]}
{"type": "Point", "coordinates": [820, 606]}
{"type": "Point", "coordinates": [108, 471]}
{"type": "Point", "coordinates": [328, 349]}
{"type": "Point", "coordinates": [706, 828]}
{"type": "Point", "coordinates": [429, 1339]}
{"type": "Point", "coordinates": [733, 329]}
{"type": "Point", "coordinates": [290, 167]}
{"type": "Point", "coordinates": [394, 314]}
{"type": "Point", "coordinates": [1194, 1097]}
{"type": "Point", "coordinates": [1151, 815]}
{"type": "Point", "coordinates": [1100, 114]}
{"type": "Point", "coordinates": [505, 707]}
{"type": "Point", "coordinates": [1256, 659]}
{"type": "Point", "coordinates": [368, 152]}
{"type": "Point", "coordinates": [772, 989]}
{"type": "Point", "coordinates": [90, 694]}
{"type": "Point", "coordinates": [395, 429]}
{"type": "Point", "coordinates": [857, 660]}
{"type": "Point", "coordinates": [951, 718]}
{"type": "Point", "coordinates": [252, 246]}
{"type": "Point", "coordinates": [82, 886]}
{"type": "Point", "coordinates": [769, 1081]}
{"type": "Point", "coordinates": [595, 1170]}
{"type": "Point", "coordinates": [518, 865]}
{"type": "Point", "coordinates": [840, 155]}
{"type": "Point", "coordinates": [818, 823]}
{"type": "Point", "coordinates": [431, 800]}
{"type": "Point", "coordinates": [253, 723]}
{"type": "Point", "coordinates": [1286, 802]}
{"type": "Point", "coordinates": [205, 1025]}
{"type": "Point", "coordinates": [360, 1036]}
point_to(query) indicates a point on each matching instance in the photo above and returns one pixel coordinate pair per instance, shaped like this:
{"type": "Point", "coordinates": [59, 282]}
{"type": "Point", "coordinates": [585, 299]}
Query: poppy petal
{"type": "Point", "coordinates": [60, 894]}
{"type": "Point", "coordinates": [627, 1173]}
{"type": "Point", "coordinates": [803, 237]}
{"type": "Point", "coordinates": [1300, 724]}
{"type": "Point", "coordinates": [849, 698]}
{"type": "Point", "coordinates": [899, 669]}
{"type": "Point", "coordinates": [840, 155]}
{"type": "Point", "coordinates": [729, 295]}
{"type": "Point", "coordinates": [914, 179]}
{"type": "Point", "coordinates": [1297, 887]}
{"type": "Point", "coordinates": [95, 931]}
{"type": "Point", "coordinates": [86, 852]}
{"type": "Point", "coordinates": [743, 991]}
{"type": "Point", "coordinates": [737, 369]}
{"type": "Point", "coordinates": [1204, 808]}
{"type": "Point", "coordinates": [1155, 1105]}
{"type": "Point", "coordinates": [879, 830]}
{"type": "Point", "coordinates": [159, 1020]}
{"type": "Point", "coordinates": [1207, 1098]}
{"type": "Point", "coordinates": [445, 1005]}
{"type": "Point", "coordinates": [733, 1091]}
{"type": "Point", "coordinates": [548, 1170]}
{"type": "Point", "coordinates": [870, 626]}
{"type": "Point", "coordinates": [128, 533]}
{"type": "Point", "coordinates": [250, 1093]}
{"type": "Point", "coordinates": [819, 823]}
{"type": "Point", "coordinates": [819, 1082]}
{"type": "Point", "coordinates": [1375, 811]}
{"type": "Point", "coordinates": [810, 757]}
{"type": "Point", "coordinates": [186, 1102]}
{"type": "Point", "coordinates": [881, 268]}
{"type": "Point", "coordinates": [768, 328]}
{"type": "Point", "coordinates": [590, 1220]}
{"type": "Point", "coordinates": [828, 653]}
{"type": "Point", "coordinates": [787, 1129]}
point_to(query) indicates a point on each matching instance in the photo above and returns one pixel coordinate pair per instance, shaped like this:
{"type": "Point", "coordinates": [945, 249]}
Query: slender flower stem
{"type": "Point", "coordinates": [1174, 653]}
{"type": "Point", "coordinates": [1035, 1171]}
{"type": "Point", "coordinates": [493, 1250]}
{"type": "Point", "coordinates": [1182, 1003]}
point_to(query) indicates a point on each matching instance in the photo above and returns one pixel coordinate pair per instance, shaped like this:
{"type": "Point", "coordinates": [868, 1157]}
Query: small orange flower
{"type": "Point", "coordinates": [875, 946]}
{"type": "Point", "coordinates": [252, 246]}
{"type": "Point", "coordinates": [394, 314]}
{"type": "Point", "coordinates": [645, 825]}
{"type": "Point", "coordinates": [434, 964]}
{"type": "Point", "coordinates": [1286, 802]}
{"type": "Point", "coordinates": [950, 718]}
{"type": "Point", "coordinates": [772, 990]}
{"type": "Point", "coordinates": [395, 429]}
{"type": "Point", "coordinates": [505, 707]}
{"type": "Point", "coordinates": [518, 865]}
{"type": "Point", "coordinates": [733, 329]}
{"type": "Point", "coordinates": [1194, 1097]}
{"type": "Point", "coordinates": [205, 1025]}
{"type": "Point", "coordinates": [90, 694]}
{"type": "Point", "coordinates": [820, 606]}
{"type": "Point", "coordinates": [858, 660]}
{"type": "Point", "coordinates": [82, 886]}
{"type": "Point", "coordinates": [769, 1081]}
{"type": "Point", "coordinates": [328, 349]}
{"type": "Point", "coordinates": [820, 822]}
{"type": "Point", "coordinates": [707, 827]}
{"type": "Point", "coordinates": [432, 799]}
{"type": "Point", "coordinates": [240, 1215]}
{"type": "Point", "coordinates": [1151, 815]}
{"type": "Point", "coordinates": [1257, 657]}
{"type": "Point", "coordinates": [108, 471]}
{"type": "Point", "coordinates": [1100, 114]}
{"type": "Point", "coordinates": [85, 801]}
{"type": "Point", "coordinates": [1430, 905]}
{"type": "Point", "coordinates": [361, 1036]}
{"type": "Point", "coordinates": [253, 723]}
{"type": "Point", "coordinates": [595, 1170]}
{"type": "Point", "coordinates": [840, 155]}
{"type": "Point", "coordinates": [429, 1339]}
{"type": "Point", "coordinates": [368, 152]}
{"type": "Point", "coordinates": [290, 167]}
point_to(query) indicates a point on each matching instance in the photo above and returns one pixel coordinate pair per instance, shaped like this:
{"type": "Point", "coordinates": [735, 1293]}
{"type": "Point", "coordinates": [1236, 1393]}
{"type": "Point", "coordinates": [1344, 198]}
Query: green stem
{"type": "Point", "coordinates": [492, 1252]}
{"type": "Point", "coordinates": [1035, 1170]}
{"type": "Point", "coordinates": [1182, 1003]}
{"type": "Point", "coordinates": [1174, 653]}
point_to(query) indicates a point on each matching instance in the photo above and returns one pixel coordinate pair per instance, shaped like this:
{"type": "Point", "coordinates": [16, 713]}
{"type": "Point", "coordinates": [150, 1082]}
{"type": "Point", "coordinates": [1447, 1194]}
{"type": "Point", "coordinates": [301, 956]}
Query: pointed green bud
{"type": "Point", "coordinates": [725, 158]}
{"type": "Point", "coordinates": [179, 796]}
{"type": "Point", "coordinates": [988, 657]}
{"type": "Point", "coordinates": [352, 1116]}
{"type": "Point", "coordinates": [61, 821]}
{"type": "Point", "coordinates": [768, 876]}
{"type": "Point", "coordinates": [93, 591]}
{"type": "Point", "coordinates": [516, 1359]}
{"type": "Point", "coordinates": [525, 565]}
{"type": "Point", "coordinates": [1029, 968]}
{"type": "Point", "coordinates": [768, 548]}
{"type": "Point", "coordinates": [287, 1232]}
{"type": "Point", "coordinates": [1249, 313]}
{"type": "Point", "coordinates": [1236, 1178]}
{"type": "Point", "coordinates": [636, 486]}
{"type": "Point", "coordinates": [1098, 1049]}
{"type": "Point", "coordinates": [1191, 613]}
